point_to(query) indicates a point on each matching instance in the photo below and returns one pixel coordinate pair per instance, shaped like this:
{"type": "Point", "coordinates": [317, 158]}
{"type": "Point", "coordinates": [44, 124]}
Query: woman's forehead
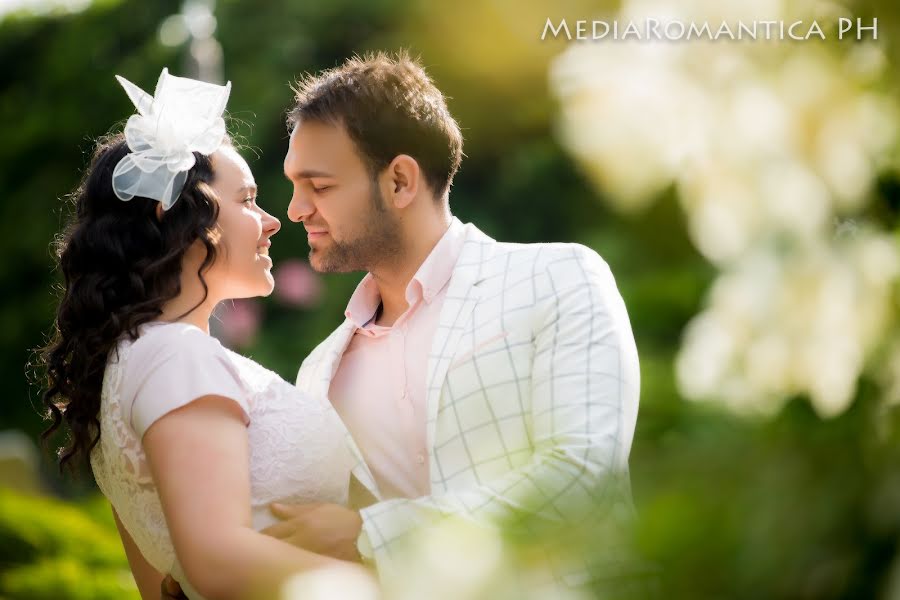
{"type": "Point", "coordinates": [231, 168]}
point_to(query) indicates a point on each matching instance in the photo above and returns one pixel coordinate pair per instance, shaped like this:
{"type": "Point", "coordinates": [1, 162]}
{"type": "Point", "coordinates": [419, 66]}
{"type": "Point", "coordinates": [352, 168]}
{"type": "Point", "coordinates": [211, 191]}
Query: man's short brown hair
{"type": "Point", "coordinates": [389, 106]}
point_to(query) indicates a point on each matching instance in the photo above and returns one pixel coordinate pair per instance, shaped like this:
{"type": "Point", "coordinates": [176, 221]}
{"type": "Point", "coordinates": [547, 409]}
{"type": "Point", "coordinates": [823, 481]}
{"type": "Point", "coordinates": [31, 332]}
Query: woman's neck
{"type": "Point", "coordinates": [197, 317]}
{"type": "Point", "coordinates": [190, 306]}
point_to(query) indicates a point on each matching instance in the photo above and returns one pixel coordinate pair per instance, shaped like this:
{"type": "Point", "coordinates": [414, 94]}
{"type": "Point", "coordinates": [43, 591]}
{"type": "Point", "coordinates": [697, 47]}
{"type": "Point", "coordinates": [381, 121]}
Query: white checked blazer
{"type": "Point", "coordinates": [532, 389]}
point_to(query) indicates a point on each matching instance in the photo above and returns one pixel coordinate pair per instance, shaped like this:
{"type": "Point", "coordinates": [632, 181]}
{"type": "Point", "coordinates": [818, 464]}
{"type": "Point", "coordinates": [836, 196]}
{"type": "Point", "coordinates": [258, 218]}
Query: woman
{"type": "Point", "coordinates": [189, 442]}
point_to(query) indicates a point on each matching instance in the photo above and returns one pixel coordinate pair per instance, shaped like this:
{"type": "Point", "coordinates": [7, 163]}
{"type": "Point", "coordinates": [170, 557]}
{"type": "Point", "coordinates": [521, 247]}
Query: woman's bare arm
{"type": "Point", "coordinates": [199, 458]}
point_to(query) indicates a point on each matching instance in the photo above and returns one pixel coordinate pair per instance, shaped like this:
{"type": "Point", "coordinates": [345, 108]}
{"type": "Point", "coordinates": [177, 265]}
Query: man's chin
{"type": "Point", "coordinates": [315, 261]}
{"type": "Point", "coordinates": [320, 263]}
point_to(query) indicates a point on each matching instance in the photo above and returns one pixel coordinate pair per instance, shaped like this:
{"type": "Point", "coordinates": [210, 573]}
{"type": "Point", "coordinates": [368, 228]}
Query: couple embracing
{"type": "Point", "coordinates": [471, 378]}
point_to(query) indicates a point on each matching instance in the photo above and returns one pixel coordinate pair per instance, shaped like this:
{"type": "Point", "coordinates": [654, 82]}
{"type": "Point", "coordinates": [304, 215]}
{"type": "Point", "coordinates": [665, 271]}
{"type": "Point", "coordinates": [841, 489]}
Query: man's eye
{"type": "Point", "coordinates": [249, 199]}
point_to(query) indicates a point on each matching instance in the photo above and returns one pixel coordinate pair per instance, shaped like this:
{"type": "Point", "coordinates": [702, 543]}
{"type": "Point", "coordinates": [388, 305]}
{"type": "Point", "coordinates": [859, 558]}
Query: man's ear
{"type": "Point", "coordinates": [404, 178]}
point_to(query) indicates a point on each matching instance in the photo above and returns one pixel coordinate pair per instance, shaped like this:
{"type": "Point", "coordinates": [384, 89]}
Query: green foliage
{"type": "Point", "coordinates": [68, 579]}
{"type": "Point", "coordinates": [57, 551]}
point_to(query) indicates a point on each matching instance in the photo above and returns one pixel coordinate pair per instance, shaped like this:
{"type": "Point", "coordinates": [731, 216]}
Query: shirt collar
{"type": "Point", "coordinates": [431, 277]}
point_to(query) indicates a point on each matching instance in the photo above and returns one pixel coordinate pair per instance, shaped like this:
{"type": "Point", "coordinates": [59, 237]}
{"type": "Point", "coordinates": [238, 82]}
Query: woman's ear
{"type": "Point", "coordinates": [159, 211]}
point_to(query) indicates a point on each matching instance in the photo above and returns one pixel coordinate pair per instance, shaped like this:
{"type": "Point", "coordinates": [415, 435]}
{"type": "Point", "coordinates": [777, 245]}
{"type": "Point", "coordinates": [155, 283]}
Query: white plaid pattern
{"type": "Point", "coordinates": [533, 386]}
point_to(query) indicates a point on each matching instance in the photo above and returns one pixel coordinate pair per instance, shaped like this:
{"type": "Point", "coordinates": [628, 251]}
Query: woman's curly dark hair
{"type": "Point", "coordinates": [120, 264]}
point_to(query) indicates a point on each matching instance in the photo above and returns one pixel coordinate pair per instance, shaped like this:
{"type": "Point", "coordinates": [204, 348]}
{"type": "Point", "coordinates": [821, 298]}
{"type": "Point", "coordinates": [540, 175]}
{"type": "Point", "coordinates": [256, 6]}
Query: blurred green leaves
{"type": "Point", "coordinates": [51, 550]}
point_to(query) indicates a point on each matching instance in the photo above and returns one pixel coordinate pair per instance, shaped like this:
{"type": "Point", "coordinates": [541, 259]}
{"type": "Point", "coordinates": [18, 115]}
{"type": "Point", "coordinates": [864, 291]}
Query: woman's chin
{"type": "Point", "coordinates": [269, 286]}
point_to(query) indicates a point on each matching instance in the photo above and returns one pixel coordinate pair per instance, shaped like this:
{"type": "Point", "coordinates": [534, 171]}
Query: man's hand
{"type": "Point", "coordinates": [328, 529]}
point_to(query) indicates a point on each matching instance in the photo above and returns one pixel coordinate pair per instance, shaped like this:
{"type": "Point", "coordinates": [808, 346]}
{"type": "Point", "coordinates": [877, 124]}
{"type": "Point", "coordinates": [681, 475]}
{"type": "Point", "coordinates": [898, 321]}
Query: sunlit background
{"type": "Point", "coordinates": [745, 194]}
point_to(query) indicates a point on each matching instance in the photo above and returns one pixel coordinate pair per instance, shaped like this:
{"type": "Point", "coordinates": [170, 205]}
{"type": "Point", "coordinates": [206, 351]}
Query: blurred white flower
{"type": "Point", "coordinates": [343, 581]}
{"type": "Point", "coordinates": [796, 131]}
{"type": "Point", "coordinates": [766, 144]}
{"type": "Point", "coordinates": [780, 324]}
{"type": "Point", "coordinates": [459, 560]}
{"type": "Point", "coordinates": [451, 560]}
{"type": "Point", "coordinates": [635, 157]}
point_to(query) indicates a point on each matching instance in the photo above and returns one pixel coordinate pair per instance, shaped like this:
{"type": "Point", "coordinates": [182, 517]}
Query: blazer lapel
{"type": "Point", "coordinates": [456, 313]}
{"type": "Point", "coordinates": [324, 373]}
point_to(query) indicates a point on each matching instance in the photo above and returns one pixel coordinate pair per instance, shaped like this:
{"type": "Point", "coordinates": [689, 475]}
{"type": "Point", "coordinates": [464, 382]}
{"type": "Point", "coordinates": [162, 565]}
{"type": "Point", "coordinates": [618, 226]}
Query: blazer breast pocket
{"type": "Point", "coordinates": [494, 339]}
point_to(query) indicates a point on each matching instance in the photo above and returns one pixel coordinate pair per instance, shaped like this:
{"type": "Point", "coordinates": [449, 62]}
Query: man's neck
{"type": "Point", "coordinates": [392, 280]}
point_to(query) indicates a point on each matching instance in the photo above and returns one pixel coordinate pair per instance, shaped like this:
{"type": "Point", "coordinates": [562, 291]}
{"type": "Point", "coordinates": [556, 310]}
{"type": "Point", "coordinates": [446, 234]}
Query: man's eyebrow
{"type": "Point", "coordinates": [310, 173]}
{"type": "Point", "coordinates": [247, 188]}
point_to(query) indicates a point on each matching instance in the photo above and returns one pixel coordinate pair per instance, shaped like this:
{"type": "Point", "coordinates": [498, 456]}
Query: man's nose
{"type": "Point", "coordinates": [300, 207]}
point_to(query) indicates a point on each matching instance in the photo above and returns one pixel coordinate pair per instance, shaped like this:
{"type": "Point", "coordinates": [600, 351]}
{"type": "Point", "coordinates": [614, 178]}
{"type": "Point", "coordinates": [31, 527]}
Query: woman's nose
{"type": "Point", "coordinates": [271, 225]}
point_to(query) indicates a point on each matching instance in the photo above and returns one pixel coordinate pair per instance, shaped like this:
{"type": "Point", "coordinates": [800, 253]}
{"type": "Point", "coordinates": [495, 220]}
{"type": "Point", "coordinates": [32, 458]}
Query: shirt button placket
{"type": "Point", "coordinates": [404, 391]}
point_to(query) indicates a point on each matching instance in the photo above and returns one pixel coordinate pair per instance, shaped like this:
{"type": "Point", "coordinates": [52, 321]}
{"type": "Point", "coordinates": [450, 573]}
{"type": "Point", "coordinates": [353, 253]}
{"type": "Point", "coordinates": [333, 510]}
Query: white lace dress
{"type": "Point", "coordinates": [298, 450]}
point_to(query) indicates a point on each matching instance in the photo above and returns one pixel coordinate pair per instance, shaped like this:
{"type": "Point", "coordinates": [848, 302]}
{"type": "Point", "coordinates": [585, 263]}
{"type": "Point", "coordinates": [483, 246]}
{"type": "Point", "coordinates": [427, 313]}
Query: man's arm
{"type": "Point", "coordinates": [585, 388]}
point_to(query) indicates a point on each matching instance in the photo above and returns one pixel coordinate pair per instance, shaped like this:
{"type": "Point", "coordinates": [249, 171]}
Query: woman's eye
{"type": "Point", "coordinates": [319, 190]}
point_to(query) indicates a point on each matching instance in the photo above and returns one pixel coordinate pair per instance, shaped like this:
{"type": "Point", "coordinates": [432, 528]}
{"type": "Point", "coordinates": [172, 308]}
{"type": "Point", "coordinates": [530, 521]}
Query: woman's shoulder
{"type": "Point", "coordinates": [173, 334]}
{"type": "Point", "coordinates": [159, 341]}
{"type": "Point", "coordinates": [170, 365]}
{"type": "Point", "coordinates": [168, 349]}
{"type": "Point", "coordinates": [175, 350]}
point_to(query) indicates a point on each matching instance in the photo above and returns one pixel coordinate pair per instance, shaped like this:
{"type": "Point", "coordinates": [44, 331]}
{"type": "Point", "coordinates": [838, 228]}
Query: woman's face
{"type": "Point", "coordinates": [242, 268]}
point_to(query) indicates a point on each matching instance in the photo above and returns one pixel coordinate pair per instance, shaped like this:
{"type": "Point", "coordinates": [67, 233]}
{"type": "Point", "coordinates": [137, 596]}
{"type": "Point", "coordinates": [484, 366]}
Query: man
{"type": "Point", "coordinates": [474, 377]}
{"type": "Point", "coordinates": [478, 379]}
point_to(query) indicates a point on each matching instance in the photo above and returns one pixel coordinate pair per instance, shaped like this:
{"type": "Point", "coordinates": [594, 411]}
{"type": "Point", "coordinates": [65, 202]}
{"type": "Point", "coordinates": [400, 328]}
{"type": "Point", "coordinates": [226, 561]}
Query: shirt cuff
{"type": "Point", "coordinates": [364, 547]}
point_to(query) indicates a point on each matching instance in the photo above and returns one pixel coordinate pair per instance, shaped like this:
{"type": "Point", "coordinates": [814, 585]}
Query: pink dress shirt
{"type": "Point", "coordinates": [379, 387]}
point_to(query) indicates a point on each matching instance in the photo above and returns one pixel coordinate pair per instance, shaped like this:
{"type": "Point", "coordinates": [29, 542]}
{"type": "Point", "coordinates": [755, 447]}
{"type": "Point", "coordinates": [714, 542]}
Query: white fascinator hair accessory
{"type": "Point", "coordinates": [183, 116]}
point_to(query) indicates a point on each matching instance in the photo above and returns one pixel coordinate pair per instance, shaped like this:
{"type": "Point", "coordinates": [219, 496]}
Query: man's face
{"type": "Point", "coordinates": [349, 225]}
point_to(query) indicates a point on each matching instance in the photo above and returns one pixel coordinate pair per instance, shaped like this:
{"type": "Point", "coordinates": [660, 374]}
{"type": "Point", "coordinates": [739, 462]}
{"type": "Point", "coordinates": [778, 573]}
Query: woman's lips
{"type": "Point", "coordinates": [263, 252]}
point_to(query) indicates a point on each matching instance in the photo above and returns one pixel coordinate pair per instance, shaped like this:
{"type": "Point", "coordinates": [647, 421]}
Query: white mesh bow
{"type": "Point", "coordinates": [183, 116]}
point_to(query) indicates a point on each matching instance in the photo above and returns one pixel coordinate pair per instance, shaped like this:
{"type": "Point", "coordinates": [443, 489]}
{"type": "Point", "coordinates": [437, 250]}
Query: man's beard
{"type": "Point", "coordinates": [379, 243]}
